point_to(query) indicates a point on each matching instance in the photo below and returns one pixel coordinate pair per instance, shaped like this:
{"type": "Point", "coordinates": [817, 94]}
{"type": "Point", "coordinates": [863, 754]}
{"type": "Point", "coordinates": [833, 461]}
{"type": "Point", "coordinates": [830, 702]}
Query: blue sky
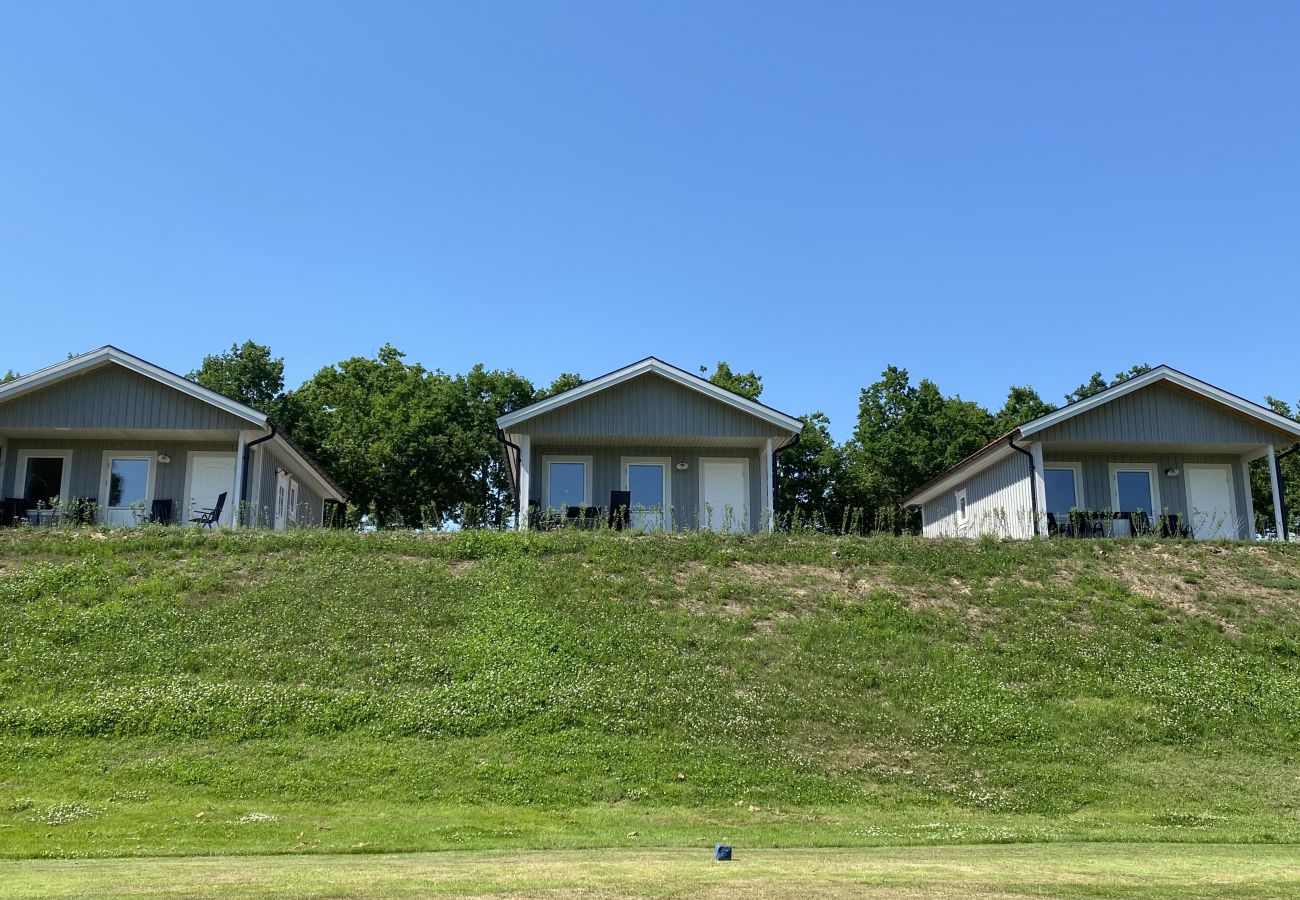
{"type": "Point", "coordinates": [983, 193]}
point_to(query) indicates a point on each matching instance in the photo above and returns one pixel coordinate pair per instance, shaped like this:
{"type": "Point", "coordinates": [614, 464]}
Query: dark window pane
{"type": "Point", "coordinates": [1062, 494]}
{"type": "Point", "coordinates": [567, 484]}
{"type": "Point", "coordinates": [1134, 490]}
{"type": "Point", "coordinates": [128, 482]}
{"type": "Point", "coordinates": [44, 477]}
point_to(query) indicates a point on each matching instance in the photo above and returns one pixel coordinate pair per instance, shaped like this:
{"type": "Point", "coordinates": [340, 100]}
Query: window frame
{"type": "Point", "coordinates": [961, 506]}
{"type": "Point", "coordinates": [1080, 501]}
{"type": "Point", "coordinates": [667, 464]}
{"type": "Point", "coordinates": [20, 471]}
{"type": "Point", "coordinates": [547, 459]}
{"type": "Point", "coordinates": [1151, 469]}
{"type": "Point", "coordinates": [150, 458]}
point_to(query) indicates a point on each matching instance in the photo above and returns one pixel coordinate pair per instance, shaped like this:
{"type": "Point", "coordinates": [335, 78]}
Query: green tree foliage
{"type": "Point", "coordinates": [1023, 405]}
{"type": "Point", "coordinates": [9, 375]}
{"type": "Point", "coordinates": [247, 373]}
{"type": "Point", "coordinates": [1096, 383]}
{"type": "Point", "coordinates": [563, 382]}
{"type": "Point", "coordinates": [906, 435]}
{"type": "Point", "coordinates": [809, 477]}
{"type": "Point", "coordinates": [746, 384]}
{"type": "Point", "coordinates": [1261, 482]}
{"type": "Point", "coordinates": [410, 446]}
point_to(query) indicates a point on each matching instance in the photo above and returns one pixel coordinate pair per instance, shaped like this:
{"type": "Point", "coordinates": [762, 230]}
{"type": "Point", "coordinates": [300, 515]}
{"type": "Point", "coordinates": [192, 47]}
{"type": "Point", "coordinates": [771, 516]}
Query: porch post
{"type": "Point", "coordinates": [1040, 487]}
{"type": "Point", "coordinates": [1277, 492]}
{"type": "Point", "coordinates": [525, 481]}
{"type": "Point", "coordinates": [1246, 530]}
{"type": "Point", "coordinates": [236, 510]}
{"type": "Point", "coordinates": [769, 485]}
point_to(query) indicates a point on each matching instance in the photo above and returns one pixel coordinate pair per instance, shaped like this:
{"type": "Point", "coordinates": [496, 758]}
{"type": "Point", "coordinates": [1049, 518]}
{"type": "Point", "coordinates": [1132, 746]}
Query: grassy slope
{"type": "Point", "coordinates": [188, 693]}
{"type": "Point", "coordinates": [1132, 871]}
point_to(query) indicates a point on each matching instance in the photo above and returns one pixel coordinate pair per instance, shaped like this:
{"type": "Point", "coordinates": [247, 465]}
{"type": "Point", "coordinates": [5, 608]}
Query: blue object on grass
{"type": "Point", "coordinates": [722, 852]}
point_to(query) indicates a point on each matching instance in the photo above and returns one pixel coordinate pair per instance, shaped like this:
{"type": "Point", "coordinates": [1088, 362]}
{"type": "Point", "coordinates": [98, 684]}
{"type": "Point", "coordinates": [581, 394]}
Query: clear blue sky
{"type": "Point", "coordinates": [984, 193]}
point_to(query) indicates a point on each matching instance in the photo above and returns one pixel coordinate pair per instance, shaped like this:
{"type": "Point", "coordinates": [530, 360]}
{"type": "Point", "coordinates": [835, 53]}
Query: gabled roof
{"type": "Point", "coordinates": [1004, 446]}
{"type": "Point", "coordinates": [658, 367]}
{"type": "Point", "coordinates": [77, 365]}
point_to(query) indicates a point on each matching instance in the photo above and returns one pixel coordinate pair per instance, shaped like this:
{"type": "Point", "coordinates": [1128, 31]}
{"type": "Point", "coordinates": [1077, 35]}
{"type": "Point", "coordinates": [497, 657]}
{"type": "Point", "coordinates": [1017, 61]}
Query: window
{"type": "Point", "coordinates": [128, 482]}
{"type": "Point", "coordinates": [42, 478]}
{"type": "Point", "coordinates": [647, 480]}
{"type": "Point", "coordinates": [568, 481]}
{"type": "Point", "coordinates": [1133, 488]}
{"type": "Point", "coordinates": [126, 486]}
{"type": "Point", "coordinates": [1064, 484]}
{"type": "Point", "coordinates": [961, 507]}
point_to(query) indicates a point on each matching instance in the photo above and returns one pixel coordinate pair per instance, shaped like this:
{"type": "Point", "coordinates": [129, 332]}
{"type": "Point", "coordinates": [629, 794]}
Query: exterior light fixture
{"type": "Point", "coordinates": [164, 458]}
{"type": "Point", "coordinates": [1172, 472]}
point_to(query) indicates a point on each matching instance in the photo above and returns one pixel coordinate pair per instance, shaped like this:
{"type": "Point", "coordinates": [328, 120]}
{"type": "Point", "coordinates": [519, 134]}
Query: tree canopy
{"type": "Point", "coordinates": [246, 372]}
{"type": "Point", "coordinates": [746, 384]}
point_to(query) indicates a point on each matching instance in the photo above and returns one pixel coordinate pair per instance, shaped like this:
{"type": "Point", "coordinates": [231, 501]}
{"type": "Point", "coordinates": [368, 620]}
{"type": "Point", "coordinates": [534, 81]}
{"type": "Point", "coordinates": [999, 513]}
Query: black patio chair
{"type": "Point", "coordinates": [209, 517]}
{"type": "Point", "coordinates": [620, 506]}
{"type": "Point", "coordinates": [161, 514]}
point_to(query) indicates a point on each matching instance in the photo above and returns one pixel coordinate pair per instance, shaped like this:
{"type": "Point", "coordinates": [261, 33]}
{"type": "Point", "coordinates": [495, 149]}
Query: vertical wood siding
{"type": "Point", "coordinates": [88, 464]}
{"type": "Point", "coordinates": [1159, 415]}
{"type": "Point", "coordinates": [998, 502]}
{"type": "Point", "coordinates": [607, 475]}
{"type": "Point", "coordinates": [1173, 491]}
{"type": "Point", "coordinates": [261, 492]}
{"type": "Point", "coordinates": [649, 406]}
{"type": "Point", "coordinates": [114, 397]}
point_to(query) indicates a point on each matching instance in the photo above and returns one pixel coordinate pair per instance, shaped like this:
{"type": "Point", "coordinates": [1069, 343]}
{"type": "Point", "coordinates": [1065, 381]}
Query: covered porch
{"type": "Point", "coordinates": [1200, 491]}
{"type": "Point", "coordinates": [118, 477]}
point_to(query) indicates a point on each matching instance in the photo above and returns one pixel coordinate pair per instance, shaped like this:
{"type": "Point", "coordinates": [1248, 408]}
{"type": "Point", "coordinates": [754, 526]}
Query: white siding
{"type": "Point", "coordinates": [998, 502]}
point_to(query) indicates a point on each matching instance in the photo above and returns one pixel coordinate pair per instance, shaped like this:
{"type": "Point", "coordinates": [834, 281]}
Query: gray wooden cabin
{"type": "Point", "coordinates": [688, 453]}
{"type": "Point", "coordinates": [1162, 453]}
{"type": "Point", "coordinates": [110, 432]}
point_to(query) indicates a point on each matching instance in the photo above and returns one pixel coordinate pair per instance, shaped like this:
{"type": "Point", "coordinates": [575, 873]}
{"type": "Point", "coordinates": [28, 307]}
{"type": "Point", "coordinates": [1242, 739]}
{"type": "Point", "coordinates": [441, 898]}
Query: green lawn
{"type": "Point", "coordinates": [1058, 870]}
{"type": "Point", "coordinates": [172, 692]}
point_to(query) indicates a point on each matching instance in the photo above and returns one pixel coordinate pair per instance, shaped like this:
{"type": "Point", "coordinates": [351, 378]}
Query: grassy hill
{"type": "Point", "coordinates": [181, 692]}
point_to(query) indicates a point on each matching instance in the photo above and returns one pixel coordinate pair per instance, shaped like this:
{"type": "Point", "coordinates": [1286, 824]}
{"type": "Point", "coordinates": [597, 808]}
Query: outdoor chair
{"type": "Point", "coordinates": [620, 504]}
{"type": "Point", "coordinates": [209, 517]}
{"type": "Point", "coordinates": [161, 514]}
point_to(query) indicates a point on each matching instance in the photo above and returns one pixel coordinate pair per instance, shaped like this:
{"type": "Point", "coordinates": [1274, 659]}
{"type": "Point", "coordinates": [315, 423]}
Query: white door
{"type": "Point", "coordinates": [1210, 501]}
{"type": "Point", "coordinates": [282, 480]}
{"type": "Point", "coordinates": [126, 488]}
{"type": "Point", "coordinates": [724, 494]}
{"type": "Point", "coordinates": [210, 476]}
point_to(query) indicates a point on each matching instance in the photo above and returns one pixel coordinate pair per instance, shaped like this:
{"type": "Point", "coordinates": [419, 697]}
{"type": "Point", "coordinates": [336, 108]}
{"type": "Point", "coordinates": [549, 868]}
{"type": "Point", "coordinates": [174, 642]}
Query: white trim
{"type": "Point", "coordinates": [1136, 467]}
{"type": "Point", "coordinates": [1077, 468]}
{"type": "Point", "coordinates": [1277, 491]}
{"type": "Point", "coordinates": [666, 464]}
{"type": "Point", "coordinates": [659, 367]}
{"type": "Point", "coordinates": [20, 470]}
{"type": "Point", "coordinates": [68, 368]}
{"type": "Point", "coordinates": [545, 503]}
{"type": "Point", "coordinates": [1232, 494]}
{"type": "Point", "coordinates": [1164, 373]}
{"type": "Point", "coordinates": [105, 468]}
{"type": "Point", "coordinates": [525, 485]}
{"type": "Point", "coordinates": [236, 498]}
{"type": "Point", "coordinates": [961, 506]}
{"type": "Point", "coordinates": [185, 513]}
{"type": "Point", "coordinates": [1039, 487]}
{"type": "Point", "coordinates": [280, 504]}
{"type": "Point", "coordinates": [701, 513]}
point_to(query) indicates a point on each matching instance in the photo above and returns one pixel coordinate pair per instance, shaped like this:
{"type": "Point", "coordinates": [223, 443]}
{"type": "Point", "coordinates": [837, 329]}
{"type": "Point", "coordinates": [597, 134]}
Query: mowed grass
{"type": "Point", "coordinates": [171, 692]}
{"type": "Point", "coordinates": [1135, 871]}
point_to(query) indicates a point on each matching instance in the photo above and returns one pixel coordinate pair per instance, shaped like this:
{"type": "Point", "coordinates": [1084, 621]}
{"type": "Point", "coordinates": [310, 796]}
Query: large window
{"type": "Point", "coordinates": [647, 480]}
{"type": "Point", "coordinates": [1133, 488]}
{"type": "Point", "coordinates": [568, 481]}
{"type": "Point", "coordinates": [1064, 489]}
{"type": "Point", "coordinates": [42, 476]}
